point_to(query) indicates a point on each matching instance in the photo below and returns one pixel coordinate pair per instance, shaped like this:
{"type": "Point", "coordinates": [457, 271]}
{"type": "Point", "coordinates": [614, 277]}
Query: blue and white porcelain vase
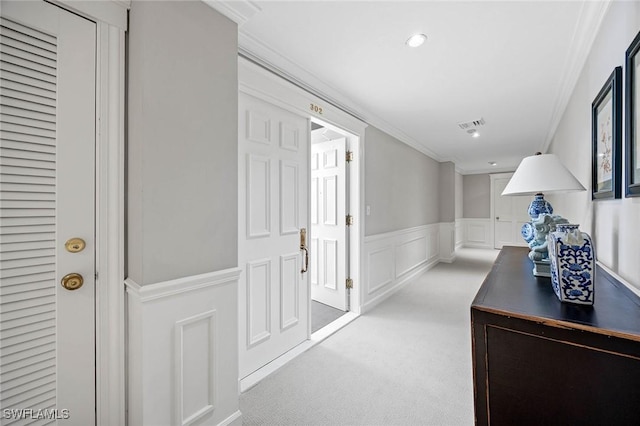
{"type": "Point", "coordinates": [538, 206]}
{"type": "Point", "coordinates": [572, 264]}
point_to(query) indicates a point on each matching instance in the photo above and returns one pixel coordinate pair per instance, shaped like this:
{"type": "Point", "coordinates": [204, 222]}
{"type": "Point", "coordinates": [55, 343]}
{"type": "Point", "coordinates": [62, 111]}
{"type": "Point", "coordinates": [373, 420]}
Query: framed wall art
{"type": "Point", "coordinates": [632, 150]}
{"type": "Point", "coordinates": [606, 139]}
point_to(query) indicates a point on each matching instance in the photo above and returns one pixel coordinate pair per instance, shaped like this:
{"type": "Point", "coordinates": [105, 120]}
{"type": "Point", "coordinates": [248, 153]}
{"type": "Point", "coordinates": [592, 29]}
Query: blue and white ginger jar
{"type": "Point", "coordinates": [572, 264]}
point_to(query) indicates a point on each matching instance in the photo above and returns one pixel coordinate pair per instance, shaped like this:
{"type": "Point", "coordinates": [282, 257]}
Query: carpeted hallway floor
{"type": "Point", "coordinates": [406, 362]}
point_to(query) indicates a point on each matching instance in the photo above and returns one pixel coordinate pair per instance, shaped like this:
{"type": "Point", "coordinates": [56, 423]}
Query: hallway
{"type": "Point", "coordinates": [408, 361]}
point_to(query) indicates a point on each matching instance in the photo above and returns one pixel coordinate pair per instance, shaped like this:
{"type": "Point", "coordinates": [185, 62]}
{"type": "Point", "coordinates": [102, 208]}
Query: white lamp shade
{"type": "Point", "coordinates": [541, 174]}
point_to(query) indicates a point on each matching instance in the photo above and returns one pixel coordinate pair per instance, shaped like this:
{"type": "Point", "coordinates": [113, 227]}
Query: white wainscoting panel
{"type": "Point", "coordinates": [183, 350]}
{"type": "Point", "coordinates": [447, 242]}
{"type": "Point", "coordinates": [459, 233]}
{"type": "Point", "coordinates": [478, 233]}
{"type": "Point", "coordinates": [392, 259]}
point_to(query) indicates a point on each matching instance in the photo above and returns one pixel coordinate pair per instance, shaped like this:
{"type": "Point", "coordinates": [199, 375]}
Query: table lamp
{"type": "Point", "coordinates": [536, 175]}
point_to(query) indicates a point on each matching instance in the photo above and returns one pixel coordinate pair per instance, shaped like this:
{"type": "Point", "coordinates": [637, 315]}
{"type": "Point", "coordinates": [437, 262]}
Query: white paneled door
{"type": "Point", "coordinates": [273, 208]}
{"type": "Point", "coordinates": [47, 197]}
{"type": "Point", "coordinates": [510, 213]}
{"type": "Point", "coordinates": [328, 218]}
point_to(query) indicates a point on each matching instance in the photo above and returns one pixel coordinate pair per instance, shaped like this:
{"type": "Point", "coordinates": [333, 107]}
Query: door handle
{"type": "Point", "coordinates": [72, 281]}
{"type": "Point", "coordinates": [303, 246]}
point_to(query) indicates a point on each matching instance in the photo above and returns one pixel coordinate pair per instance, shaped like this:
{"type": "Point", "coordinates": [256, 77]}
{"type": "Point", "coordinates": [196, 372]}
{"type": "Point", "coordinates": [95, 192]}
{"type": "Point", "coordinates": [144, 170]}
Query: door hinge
{"type": "Point", "coordinates": [349, 220]}
{"type": "Point", "coordinates": [349, 156]}
{"type": "Point", "coordinates": [349, 283]}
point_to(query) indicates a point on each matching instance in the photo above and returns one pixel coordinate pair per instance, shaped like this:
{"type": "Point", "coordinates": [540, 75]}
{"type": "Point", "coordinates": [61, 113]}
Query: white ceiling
{"type": "Point", "coordinates": [513, 63]}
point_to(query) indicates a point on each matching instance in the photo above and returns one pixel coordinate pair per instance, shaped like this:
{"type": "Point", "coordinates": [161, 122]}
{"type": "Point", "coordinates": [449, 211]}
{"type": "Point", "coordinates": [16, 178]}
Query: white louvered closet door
{"type": "Point", "coordinates": [47, 196]}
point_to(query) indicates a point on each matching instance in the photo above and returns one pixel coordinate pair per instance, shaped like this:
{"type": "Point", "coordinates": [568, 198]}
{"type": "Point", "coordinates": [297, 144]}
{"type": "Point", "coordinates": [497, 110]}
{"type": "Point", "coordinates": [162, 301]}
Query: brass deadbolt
{"type": "Point", "coordinates": [75, 245]}
{"type": "Point", "coordinates": [72, 281]}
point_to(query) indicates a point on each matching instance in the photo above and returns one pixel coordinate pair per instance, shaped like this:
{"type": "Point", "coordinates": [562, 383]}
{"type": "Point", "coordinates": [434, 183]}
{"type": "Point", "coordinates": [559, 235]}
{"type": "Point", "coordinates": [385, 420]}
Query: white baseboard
{"type": "Point", "coordinates": [233, 420]}
{"type": "Point", "coordinates": [183, 350]}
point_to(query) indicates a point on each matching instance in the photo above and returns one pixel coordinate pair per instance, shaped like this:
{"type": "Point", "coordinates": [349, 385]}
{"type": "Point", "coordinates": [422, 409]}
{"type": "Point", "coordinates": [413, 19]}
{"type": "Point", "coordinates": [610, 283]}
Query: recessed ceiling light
{"type": "Point", "coordinates": [475, 134]}
{"type": "Point", "coordinates": [416, 40]}
{"type": "Point", "coordinates": [493, 163]}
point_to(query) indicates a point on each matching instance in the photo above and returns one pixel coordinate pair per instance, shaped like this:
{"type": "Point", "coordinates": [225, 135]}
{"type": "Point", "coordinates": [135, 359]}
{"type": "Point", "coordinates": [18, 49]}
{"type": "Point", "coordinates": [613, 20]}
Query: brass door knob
{"type": "Point", "coordinates": [75, 245]}
{"type": "Point", "coordinates": [72, 281]}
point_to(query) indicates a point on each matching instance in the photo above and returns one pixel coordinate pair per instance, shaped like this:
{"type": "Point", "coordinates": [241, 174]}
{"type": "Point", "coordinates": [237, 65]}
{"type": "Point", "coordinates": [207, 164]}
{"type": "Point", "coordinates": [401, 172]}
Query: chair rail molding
{"type": "Point", "coordinates": [183, 350]}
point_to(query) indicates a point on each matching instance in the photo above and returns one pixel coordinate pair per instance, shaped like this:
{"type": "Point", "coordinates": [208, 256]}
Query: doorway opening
{"type": "Point", "coordinates": [329, 224]}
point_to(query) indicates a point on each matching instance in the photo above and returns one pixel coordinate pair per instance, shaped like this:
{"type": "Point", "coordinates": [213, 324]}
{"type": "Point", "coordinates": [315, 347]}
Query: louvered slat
{"type": "Point", "coordinates": [18, 40]}
{"type": "Point", "coordinates": [16, 154]}
{"type": "Point", "coordinates": [27, 196]}
{"type": "Point", "coordinates": [29, 73]}
{"type": "Point", "coordinates": [19, 322]}
{"type": "Point", "coordinates": [30, 36]}
{"type": "Point", "coordinates": [20, 88]}
{"type": "Point", "coordinates": [28, 229]}
{"type": "Point", "coordinates": [9, 112]}
{"type": "Point", "coordinates": [25, 137]}
{"type": "Point", "coordinates": [50, 361]}
{"type": "Point", "coordinates": [26, 188]}
{"type": "Point", "coordinates": [20, 359]}
{"type": "Point", "coordinates": [23, 397]}
{"type": "Point", "coordinates": [16, 213]}
{"type": "Point", "coordinates": [26, 279]}
{"type": "Point", "coordinates": [26, 163]}
{"type": "Point", "coordinates": [17, 50]}
{"type": "Point", "coordinates": [37, 180]}
{"type": "Point", "coordinates": [26, 254]}
{"type": "Point", "coordinates": [9, 93]}
{"type": "Point", "coordinates": [28, 210]}
{"type": "Point", "coordinates": [10, 332]}
{"type": "Point", "coordinates": [30, 245]}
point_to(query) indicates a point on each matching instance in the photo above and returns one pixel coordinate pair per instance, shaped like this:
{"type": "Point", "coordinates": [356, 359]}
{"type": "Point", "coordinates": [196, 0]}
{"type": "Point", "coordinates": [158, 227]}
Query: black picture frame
{"type": "Point", "coordinates": [606, 139]}
{"type": "Point", "coordinates": [632, 148]}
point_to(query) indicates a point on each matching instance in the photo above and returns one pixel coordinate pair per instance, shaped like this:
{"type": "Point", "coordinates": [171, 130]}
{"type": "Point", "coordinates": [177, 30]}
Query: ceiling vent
{"type": "Point", "coordinates": [472, 124]}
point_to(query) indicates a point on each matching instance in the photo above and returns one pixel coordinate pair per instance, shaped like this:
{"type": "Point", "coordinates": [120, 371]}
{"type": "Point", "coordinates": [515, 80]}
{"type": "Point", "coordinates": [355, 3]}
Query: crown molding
{"type": "Point", "coordinates": [267, 57]}
{"type": "Point", "coordinates": [589, 22]}
{"type": "Point", "coordinates": [239, 11]}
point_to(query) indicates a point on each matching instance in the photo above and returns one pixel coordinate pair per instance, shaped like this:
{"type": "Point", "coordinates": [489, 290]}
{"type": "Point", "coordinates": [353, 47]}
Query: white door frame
{"type": "Point", "coordinates": [263, 84]}
{"type": "Point", "coordinates": [493, 177]}
{"type": "Point", "coordinates": [110, 17]}
{"type": "Point", "coordinates": [347, 190]}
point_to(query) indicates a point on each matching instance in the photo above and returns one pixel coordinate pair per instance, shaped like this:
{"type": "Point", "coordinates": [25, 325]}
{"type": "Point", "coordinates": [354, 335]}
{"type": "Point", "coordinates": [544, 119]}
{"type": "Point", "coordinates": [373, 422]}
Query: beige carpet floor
{"type": "Point", "coordinates": [406, 362]}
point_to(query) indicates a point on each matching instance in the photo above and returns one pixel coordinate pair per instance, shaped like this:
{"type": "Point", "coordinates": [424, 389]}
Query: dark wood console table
{"type": "Point", "coordinates": [537, 361]}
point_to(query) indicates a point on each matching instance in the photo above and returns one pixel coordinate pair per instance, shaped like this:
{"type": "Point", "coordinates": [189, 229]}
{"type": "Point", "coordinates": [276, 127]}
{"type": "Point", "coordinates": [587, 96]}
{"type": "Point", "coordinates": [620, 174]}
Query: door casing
{"type": "Point", "coordinates": [518, 209]}
{"type": "Point", "coordinates": [110, 17]}
{"type": "Point", "coordinates": [260, 82]}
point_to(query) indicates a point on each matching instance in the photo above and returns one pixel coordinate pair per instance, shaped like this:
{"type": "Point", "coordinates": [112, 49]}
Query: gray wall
{"type": "Point", "coordinates": [459, 196]}
{"type": "Point", "coordinates": [182, 141]}
{"type": "Point", "coordinates": [613, 224]}
{"type": "Point", "coordinates": [447, 192]}
{"type": "Point", "coordinates": [401, 185]}
{"type": "Point", "coordinates": [476, 200]}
